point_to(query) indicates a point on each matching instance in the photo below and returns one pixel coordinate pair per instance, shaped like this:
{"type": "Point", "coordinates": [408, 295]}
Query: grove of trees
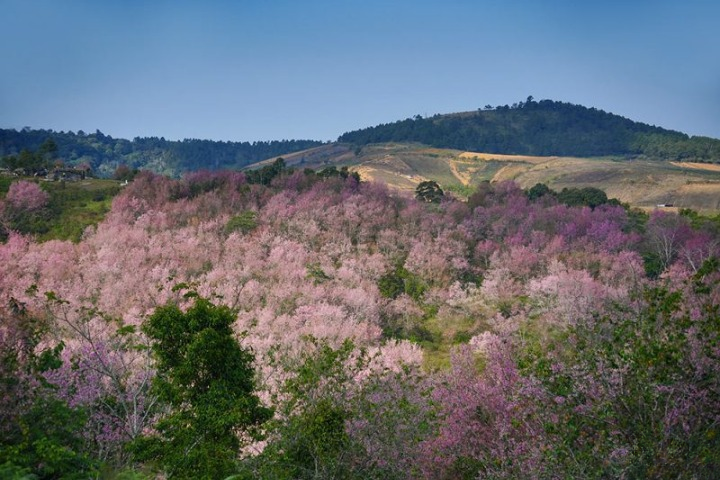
{"type": "Point", "coordinates": [311, 326]}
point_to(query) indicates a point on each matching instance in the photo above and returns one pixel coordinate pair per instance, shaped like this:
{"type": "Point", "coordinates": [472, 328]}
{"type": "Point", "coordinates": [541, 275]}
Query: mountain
{"type": "Point", "coordinates": [105, 153]}
{"type": "Point", "coordinates": [542, 128]}
{"type": "Point", "coordinates": [559, 144]}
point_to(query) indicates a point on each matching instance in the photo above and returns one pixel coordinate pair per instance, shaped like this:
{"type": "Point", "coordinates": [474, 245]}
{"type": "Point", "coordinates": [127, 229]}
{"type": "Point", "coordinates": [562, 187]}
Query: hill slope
{"type": "Point", "coordinates": [640, 182]}
{"type": "Point", "coordinates": [541, 128]}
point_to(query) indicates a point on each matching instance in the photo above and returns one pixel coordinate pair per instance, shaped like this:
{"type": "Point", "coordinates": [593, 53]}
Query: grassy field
{"type": "Point", "coordinates": [73, 206]}
{"type": "Point", "coordinates": [79, 205]}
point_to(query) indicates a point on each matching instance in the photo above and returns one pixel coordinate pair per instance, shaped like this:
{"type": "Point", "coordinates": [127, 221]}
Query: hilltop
{"type": "Point", "coordinates": [546, 128]}
{"type": "Point", "coordinates": [559, 144]}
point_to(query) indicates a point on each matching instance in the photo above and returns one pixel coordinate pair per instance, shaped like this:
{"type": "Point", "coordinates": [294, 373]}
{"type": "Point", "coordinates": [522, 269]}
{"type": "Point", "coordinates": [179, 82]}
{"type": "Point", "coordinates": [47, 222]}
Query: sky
{"type": "Point", "coordinates": [289, 69]}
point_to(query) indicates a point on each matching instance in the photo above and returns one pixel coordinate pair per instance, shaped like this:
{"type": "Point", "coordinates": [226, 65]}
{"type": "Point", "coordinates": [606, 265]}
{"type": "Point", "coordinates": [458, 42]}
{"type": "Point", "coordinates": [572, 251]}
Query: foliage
{"type": "Point", "coordinates": [429, 191]}
{"type": "Point", "coordinates": [108, 376]}
{"type": "Point", "coordinates": [538, 190]}
{"type": "Point", "coordinates": [13, 472]}
{"type": "Point", "coordinates": [244, 223]}
{"type": "Point", "coordinates": [106, 154]}
{"type": "Point", "coordinates": [637, 396]}
{"type": "Point", "coordinates": [123, 173]}
{"type": "Point", "coordinates": [207, 380]}
{"type": "Point", "coordinates": [588, 196]}
{"type": "Point", "coordinates": [26, 197]}
{"type": "Point", "coordinates": [39, 432]}
{"type": "Point", "coordinates": [266, 174]}
{"type": "Point", "coordinates": [308, 439]}
{"type": "Point", "coordinates": [50, 444]}
{"type": "Point", "coordinates": [574, 197]}
{"type": "Point", "coordinates": [24, 209]}
{"type": "Point", "coordinates": [344, 173]}
{"type": "Point", "coordinates": [400, 281]}
{"type": "Point", "coordinates": [392, 415]}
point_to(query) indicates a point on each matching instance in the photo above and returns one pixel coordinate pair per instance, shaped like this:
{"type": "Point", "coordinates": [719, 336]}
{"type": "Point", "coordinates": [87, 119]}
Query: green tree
{"type": "Point", "coordinates": [399, 281]}
{"type": "Point", "coordinates": [40, 434]}
{"type": "Point", "coordinates": [244, 223]}
{"type": "Point", "coordinates": [48, 151]}
{"type": "Point", "coordinates": [206, 378]}
{"type": "Point", "coordinates": [308, 438]}
{"type": "Point", "coordinates": [429, 191]}
{"type": "Point", "coordinates": [587, 196]}
{"type": "Point", "coordinates": [538, 190]}
{"type": "Point", "coordinates": [29, 161]}
{"type": "Point", "coordinates": [266, 174]}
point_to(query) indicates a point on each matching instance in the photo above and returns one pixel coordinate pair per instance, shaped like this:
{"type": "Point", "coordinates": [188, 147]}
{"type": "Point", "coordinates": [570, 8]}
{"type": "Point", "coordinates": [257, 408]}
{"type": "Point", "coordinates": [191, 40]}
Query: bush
{"type": "Point", "coordinates": [244, 223]}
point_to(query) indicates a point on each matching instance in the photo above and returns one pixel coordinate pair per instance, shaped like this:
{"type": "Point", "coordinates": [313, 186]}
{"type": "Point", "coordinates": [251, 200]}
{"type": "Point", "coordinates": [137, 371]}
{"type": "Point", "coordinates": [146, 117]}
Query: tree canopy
{"type": "Point", "coordinates": [207, 379]}
{"type": "Point", "coordinates": [429, 191]}
{"type": "Point", "coordinates": [543, 127]}
{"type": "Point", "coordinates": [105, 154]}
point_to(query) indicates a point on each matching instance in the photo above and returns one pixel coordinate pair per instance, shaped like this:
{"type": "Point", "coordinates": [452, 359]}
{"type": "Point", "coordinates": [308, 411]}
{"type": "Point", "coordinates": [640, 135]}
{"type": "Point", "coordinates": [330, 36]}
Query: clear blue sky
{"type": "Point", "coordinates": [274, 69]}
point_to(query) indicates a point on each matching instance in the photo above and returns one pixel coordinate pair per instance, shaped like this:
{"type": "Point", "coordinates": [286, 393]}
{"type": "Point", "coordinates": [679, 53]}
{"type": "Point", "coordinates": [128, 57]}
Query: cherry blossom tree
{"type": "Point", "coordinates": [26, 196]}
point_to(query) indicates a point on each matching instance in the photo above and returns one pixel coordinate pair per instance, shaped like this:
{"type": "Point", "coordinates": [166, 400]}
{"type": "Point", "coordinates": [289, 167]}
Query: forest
{"type": "Point", "coordinates": [104, 154]}
{"type": "Point", "coordinates": [544, 127]}
{"type": "Point", "coordinates": [305, 325]}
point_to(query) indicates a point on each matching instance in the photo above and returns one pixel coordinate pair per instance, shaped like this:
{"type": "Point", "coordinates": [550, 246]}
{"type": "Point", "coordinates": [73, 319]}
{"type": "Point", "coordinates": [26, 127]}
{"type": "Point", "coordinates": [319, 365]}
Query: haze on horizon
{"type": "Point", "coordinates": [253, 70]}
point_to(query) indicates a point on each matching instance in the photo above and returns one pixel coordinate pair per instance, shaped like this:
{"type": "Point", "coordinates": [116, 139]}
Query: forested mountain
{"type": "Point", "coordinates": [105, 153]}
{"type": "Point", "coordinates": [543, 127]}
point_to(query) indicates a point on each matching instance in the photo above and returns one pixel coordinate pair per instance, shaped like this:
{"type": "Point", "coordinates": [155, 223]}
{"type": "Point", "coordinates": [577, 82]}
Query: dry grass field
{"type": "Point", "coordinates": [640, 182]}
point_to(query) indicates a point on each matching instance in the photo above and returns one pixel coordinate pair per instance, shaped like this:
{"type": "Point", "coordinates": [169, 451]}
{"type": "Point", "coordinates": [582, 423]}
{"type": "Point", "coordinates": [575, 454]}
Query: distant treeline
{"type": "Point", "coordinates": [543, 127]}
{"type": "Point", "coordinates": [105, 154]}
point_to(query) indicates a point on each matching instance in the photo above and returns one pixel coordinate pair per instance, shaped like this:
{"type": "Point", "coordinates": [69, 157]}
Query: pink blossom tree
{"type": "Point", "coordinates": [26, 196]}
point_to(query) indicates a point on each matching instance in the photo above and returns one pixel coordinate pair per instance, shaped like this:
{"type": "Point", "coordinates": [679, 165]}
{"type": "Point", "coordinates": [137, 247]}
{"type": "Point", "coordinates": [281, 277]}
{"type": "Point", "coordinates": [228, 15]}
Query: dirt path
{"type": "Point", "coordinates": [710, 167]}
{"type": "Point", "coordinates": [464, 178]}
{"type": "Point", "coordinates": [507, 158]}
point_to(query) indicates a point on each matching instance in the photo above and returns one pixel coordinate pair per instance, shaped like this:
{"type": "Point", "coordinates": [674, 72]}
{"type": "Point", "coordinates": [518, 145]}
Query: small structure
{"type": "Point", "coordinates": [67, 174]}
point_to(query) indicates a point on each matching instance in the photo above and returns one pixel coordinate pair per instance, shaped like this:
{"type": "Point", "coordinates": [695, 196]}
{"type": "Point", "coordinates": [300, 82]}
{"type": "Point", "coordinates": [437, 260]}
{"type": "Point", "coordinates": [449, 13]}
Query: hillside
{"type": "Point", "coordinates": [541, 128]}
{"type": "Point", "coordinates": [641, 182]}
{"type": "Point", "coordinates": [105, 153]}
